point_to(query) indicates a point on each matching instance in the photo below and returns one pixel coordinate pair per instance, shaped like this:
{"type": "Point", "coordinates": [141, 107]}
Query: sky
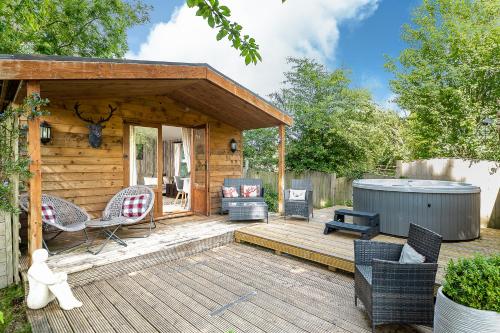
{"type": "Point", "coordinates": [352, 34]}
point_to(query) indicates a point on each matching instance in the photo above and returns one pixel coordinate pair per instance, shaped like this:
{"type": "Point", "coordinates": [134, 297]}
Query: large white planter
{"type": "Point", "coordinates": [451, 317]}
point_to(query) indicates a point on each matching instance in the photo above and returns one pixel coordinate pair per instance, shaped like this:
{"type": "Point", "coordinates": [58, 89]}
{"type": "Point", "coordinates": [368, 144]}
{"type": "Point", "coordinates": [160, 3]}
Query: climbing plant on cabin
{"type": "Point", "coordinates": [11, 137]}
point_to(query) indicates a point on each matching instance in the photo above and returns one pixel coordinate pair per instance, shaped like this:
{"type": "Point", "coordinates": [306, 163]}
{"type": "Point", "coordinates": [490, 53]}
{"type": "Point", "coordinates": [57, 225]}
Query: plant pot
{"type": "Point", "coordinates": [451, 317]}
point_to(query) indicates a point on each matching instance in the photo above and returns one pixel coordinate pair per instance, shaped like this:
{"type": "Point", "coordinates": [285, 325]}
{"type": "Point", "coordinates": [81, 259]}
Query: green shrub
{"type": "Point", "coordinates": [474, 282]}
{"type": "Point", "coordinates": [13, 311]}
{"type": "Point", "coordinates": [271, 198]}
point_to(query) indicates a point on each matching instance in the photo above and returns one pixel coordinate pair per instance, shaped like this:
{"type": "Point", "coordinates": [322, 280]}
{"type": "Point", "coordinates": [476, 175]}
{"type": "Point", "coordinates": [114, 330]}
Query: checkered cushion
{"type": "Point", "coordinates": [48, 213]}
{"type": "Point", "coordinates": [250, 191]}
{"type": "Point", "coordinates": [134, 205]}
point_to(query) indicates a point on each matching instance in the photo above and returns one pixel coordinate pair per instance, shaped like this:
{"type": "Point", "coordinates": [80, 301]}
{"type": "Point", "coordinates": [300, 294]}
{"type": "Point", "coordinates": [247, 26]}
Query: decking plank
{"type": "Point", "coordinates": [343, 316]}
{"type": "Point", "coordinates": [294, 316]}
{"type": "Point", "coordinates": [135, 299]}
{"type": "Point", "coordinates": [247, 316]}
{"type": "Point", "coordinates": [134, 317]}
{"type": "Point", "coordinates": [336, 249]}
{"type": "Point", "coordinates": [109, 312]}
{"type": "Point", "coordinates": [193, 318]}
{"type": "Point", "coordinates": [94, 317]}
{"type": "Point", "coordinates": [189, 302]}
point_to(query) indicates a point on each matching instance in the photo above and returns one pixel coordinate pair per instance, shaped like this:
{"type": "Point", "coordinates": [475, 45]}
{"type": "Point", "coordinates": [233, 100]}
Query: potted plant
{"type": "Point", "coordinates": [469, 300]}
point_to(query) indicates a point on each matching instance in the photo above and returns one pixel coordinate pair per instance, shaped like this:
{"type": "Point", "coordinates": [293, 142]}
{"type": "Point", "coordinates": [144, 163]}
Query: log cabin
{"type": "Point", "coordinates": [176, 127]}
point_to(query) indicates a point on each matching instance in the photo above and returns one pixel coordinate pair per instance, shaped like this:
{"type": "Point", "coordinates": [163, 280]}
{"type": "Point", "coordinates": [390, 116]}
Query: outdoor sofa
{"type": "Point", "coordinates": [237, 183]}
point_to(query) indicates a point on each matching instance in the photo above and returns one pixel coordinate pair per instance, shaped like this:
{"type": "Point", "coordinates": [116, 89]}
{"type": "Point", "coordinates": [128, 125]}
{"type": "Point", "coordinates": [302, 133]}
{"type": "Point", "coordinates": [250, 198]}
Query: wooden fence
{"type": "Point", "coordinates": [328, 190]}
{"type": "Point", "coordinates": [485, 174]}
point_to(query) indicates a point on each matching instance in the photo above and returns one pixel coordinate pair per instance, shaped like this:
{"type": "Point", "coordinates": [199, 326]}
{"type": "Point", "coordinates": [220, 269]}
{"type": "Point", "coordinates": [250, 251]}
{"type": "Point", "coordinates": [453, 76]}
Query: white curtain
{"type": "Point", "coordinates": [132, 158]}
{"type": "Point", "coordinates": [187, 134]}
{"type": "Point", "coordinates": [177, 159]}
{"type": "Point", "coordinates": [186, 144]}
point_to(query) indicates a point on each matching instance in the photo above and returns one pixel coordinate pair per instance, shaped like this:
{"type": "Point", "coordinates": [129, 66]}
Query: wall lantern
{"type": "Point", "coordinates": [233, 145]}
{"type": "Point", "coordinates": [45, 132]}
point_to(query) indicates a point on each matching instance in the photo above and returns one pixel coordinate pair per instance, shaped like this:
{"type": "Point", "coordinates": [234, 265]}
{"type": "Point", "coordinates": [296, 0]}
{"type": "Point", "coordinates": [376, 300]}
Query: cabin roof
{"type": "Point", "coordinates": [192, 85]}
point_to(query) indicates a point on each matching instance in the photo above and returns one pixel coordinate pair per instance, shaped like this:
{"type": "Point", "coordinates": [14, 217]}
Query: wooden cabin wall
{"type": "Point", "coordinates": [89, 177]}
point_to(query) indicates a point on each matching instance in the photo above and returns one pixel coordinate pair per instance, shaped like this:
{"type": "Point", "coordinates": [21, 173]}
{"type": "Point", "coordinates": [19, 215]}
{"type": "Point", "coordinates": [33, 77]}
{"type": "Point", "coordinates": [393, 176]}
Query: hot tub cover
{"type": "Point", "coordinates": [416, 185]}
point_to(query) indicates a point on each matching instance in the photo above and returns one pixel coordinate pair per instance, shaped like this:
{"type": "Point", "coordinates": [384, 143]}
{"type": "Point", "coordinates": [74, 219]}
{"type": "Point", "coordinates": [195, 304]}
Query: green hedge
{"type": "Point", "coordinates": [474, 282]}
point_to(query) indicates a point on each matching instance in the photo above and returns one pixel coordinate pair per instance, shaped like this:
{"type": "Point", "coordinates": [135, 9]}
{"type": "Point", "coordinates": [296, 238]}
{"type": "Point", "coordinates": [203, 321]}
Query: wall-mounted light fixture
{"type": "Point", "coordinates": [45, 132]}
{"type": "Point", "coordinates": [233, 145]}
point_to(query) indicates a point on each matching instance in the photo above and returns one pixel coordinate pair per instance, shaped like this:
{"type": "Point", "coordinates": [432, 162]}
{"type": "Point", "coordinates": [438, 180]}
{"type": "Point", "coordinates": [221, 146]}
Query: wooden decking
{"type": "Point", "coordinates": [189, 276]}
{"type": "Point", "coordinates": [231, 288]}
{"type": "Point", "coordinates": [336, 250]}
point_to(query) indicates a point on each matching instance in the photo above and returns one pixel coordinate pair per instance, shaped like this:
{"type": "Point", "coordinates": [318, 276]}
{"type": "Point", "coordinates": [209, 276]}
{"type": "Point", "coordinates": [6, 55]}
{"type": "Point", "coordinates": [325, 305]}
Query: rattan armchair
{"type": "Point", "coordinates": [115, 205]}
{"type": "Point", "coordinates": [392, 292]}
{"type": "Point", "coordinates": [68, 218]}
{"type": "Point", "coordinates": [300, 208]}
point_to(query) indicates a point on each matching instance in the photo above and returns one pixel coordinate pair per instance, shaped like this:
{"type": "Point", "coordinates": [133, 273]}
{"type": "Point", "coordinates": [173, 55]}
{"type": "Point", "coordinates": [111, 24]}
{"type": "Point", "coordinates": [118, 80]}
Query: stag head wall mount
{"type": "Point", "coordinates": [95, 127]}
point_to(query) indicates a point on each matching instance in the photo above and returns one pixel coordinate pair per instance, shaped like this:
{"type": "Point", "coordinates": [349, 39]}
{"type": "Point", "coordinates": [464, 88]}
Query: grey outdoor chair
{"type": "Point", "coordinates": [112, 219]}
{"type": "Point", "coordinates": [114, 207]}
{"type": "Point", "coordinates": [300, 208]}
{"type": "Point", "coordinates": [69, 218]}
{"type": "Point", "coordinates": [392, 292]}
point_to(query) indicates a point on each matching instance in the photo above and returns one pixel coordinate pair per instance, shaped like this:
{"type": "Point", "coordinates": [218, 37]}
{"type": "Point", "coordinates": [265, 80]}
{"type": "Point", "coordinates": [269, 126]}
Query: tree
{"type": "Point", "coordinates": [448, 79]}
{"type": "Point", "coordinates": [336, 128]}
{"type": "Point", "coordinates": [217, 17]}
{"type": "Point", "coordinates": [69, 27]}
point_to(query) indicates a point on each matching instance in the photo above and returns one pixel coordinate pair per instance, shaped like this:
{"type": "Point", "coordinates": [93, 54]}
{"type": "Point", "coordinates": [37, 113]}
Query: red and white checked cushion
{"type": "Point", "coordinates": [229, 192]}
{"type": "Point", "coordinates": [48, 213]}
{"type": "Point", "coordinates": [250, 191]}
{"type": "Point", "coordinates": [134, 205]}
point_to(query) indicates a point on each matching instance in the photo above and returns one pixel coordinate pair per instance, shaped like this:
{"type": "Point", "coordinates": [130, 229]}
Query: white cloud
{"type": "Point", "coordinates": [296, 28]}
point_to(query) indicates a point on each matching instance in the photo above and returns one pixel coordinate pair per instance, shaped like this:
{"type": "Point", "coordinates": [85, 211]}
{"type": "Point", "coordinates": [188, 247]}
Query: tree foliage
{"type": "Point", "coordinates": [218, 17]}
{"type": "Point", "coordinates": [336, 128]}
{"type": "Point", "coordinates": [448, 79]}
{"type": "Point", "coordinates": [69, 27]}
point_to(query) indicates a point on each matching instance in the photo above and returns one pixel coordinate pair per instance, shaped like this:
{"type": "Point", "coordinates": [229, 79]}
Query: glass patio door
{"type": "Point", "coordinates": [145, 168]}
{"type": "Point", "coordinates": [199, 176]}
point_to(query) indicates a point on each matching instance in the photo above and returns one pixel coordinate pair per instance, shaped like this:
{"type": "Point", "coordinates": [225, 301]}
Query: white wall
{"type": "Point", "coordinates": [485, 174]}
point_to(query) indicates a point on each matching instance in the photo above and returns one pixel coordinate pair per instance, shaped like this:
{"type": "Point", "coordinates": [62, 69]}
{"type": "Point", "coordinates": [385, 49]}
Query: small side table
{"type": "Point", "coordinates": [109, 229]}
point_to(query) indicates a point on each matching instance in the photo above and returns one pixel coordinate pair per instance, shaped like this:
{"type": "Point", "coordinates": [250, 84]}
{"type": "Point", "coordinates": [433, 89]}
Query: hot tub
{"type": "Point", "coordinates": [448, 208]}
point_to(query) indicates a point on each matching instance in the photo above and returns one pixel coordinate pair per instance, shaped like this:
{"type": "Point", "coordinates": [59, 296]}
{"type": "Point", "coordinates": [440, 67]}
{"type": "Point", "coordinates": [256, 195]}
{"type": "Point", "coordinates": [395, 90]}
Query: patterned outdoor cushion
{"type": "Point", "coordinates": [229, 192]}
{"type": "Point", "coordinates": [134, 205]}
{"type": "Point", "coordinates": [48, 213]}
{"type": "Point", "coordinates": [410, 256]}
{"type": "Point", "coordinates": [250, 191]}
{"type": "Point", "coordinates": [297, 195]}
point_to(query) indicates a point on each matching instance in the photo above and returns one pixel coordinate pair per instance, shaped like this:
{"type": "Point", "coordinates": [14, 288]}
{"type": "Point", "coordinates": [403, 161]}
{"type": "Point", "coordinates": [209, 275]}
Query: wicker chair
{"type": "Point", "coordinates": [69, 218]}
{"type": "Point", "coordinates": [300, 208]}
{"type": "Point", "coordinates": [392, 292]}
{"type": "Point", "coordinates": [114, 207]}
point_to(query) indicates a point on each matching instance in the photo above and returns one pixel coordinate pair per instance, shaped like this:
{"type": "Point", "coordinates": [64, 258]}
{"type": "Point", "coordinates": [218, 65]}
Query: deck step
{"type": "Point", "coordinates": [366, 231]}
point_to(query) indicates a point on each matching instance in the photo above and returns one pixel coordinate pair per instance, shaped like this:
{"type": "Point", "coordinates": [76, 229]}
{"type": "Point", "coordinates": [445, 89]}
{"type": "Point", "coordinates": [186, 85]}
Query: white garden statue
{"type": "Point", "coordinates": [45, 285]}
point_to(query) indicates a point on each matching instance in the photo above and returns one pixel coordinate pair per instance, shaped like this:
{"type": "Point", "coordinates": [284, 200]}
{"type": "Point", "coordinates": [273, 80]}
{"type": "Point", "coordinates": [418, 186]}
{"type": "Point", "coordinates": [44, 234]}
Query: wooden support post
{"type": "Point", "coordinates": [35, 183]}
{"type": "Point", "coordinates": [281, 169]}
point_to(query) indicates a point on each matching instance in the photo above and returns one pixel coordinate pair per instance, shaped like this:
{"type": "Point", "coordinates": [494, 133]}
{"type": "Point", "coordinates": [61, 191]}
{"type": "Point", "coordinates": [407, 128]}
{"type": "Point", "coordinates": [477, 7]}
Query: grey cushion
{"type": "Point", "coordinates": [410, 256]}
{"type": "Point", "coordinates": [366, 271]}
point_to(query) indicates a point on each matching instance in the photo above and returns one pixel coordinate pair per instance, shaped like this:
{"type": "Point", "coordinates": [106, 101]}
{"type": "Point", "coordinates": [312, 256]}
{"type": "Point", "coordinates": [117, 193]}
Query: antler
{"type": "Point", "coordinates": [79, 115]}
{"type": "Point", "coordinates": [103, 120]}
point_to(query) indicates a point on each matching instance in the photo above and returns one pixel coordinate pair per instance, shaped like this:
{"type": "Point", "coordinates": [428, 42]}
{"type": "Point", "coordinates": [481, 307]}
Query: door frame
{"type": "Point", "coordinates": [208, 209]}
{"type": "Point", "coordinates": [158, 205]}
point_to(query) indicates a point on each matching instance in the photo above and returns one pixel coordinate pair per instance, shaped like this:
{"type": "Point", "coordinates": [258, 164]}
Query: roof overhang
{"type": "Point", "coordinates": [197, 86]}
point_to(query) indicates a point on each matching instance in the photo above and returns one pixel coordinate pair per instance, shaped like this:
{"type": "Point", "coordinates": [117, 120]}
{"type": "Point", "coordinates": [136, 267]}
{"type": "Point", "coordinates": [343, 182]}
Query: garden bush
{"type": "Point", "coordinates": [271, 198]}
{"type": "Point", "coordinates": [474, 282]}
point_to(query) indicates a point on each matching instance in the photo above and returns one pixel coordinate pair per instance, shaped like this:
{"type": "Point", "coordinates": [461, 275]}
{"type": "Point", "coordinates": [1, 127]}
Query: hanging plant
{"type": "Point", "coordinates": [13, 137]}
